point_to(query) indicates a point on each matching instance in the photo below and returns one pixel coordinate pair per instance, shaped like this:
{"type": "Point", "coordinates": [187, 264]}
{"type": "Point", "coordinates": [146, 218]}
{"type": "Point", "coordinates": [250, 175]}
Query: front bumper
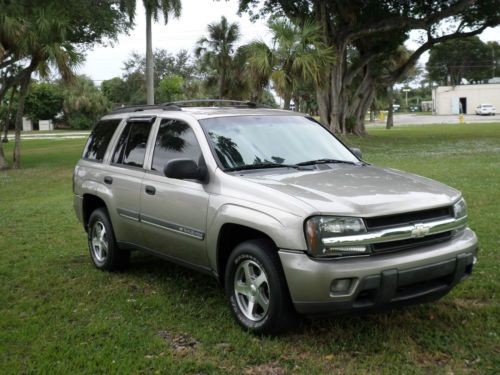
{"type": "Point", "coordinates": [381, 280]}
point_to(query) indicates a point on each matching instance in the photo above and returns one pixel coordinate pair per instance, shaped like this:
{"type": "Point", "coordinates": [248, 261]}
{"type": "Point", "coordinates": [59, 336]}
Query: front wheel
{"type": "Point", "coordinates": [103, 249]}
{"type": "Point", "coordinates": [256, 289]}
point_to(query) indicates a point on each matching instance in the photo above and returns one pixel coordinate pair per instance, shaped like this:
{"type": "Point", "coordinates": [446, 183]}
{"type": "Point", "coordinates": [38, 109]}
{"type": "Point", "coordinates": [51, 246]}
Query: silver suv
{"type": "Point", "coordinates": [290, 220]}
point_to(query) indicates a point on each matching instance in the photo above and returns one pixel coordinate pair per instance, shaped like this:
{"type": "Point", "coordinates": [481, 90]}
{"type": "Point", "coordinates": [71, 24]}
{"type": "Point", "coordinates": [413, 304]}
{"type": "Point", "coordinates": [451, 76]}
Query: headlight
{"type": "Point", "coordinates": [319, 227]}
{"type": "Point", "coordinates": [460, 209]}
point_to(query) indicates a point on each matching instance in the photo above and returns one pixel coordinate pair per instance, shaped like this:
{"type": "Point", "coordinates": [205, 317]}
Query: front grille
{"type": "Point", "coordinates": [408, 218]}
{"type": "Point", "coordinates": [411, 243]}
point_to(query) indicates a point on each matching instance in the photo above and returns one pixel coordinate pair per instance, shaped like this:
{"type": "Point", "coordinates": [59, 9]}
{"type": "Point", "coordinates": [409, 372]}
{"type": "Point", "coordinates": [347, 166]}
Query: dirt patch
{"type": "Point", "coordinates": [181, 343]}
{"type": "Point", "coordinates": [272, 368]}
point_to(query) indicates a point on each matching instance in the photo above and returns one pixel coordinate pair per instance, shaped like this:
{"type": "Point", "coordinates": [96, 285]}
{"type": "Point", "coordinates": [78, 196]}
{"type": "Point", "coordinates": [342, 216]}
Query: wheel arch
{"type": "Point", "coordinates": [90, 203]}
{"type": "Point", "coordinates": [231, 235]}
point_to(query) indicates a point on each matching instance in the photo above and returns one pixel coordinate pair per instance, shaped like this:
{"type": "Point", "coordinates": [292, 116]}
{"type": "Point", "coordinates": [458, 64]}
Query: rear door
{"type": "Point", "coordinates": [124, 177]}
{"type": "Point", "coordinates": [173, 212]}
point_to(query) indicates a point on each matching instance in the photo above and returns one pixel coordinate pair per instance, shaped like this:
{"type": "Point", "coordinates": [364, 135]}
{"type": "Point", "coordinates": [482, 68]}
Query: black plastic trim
{"type": "Point", "coordinates": [393, 288]}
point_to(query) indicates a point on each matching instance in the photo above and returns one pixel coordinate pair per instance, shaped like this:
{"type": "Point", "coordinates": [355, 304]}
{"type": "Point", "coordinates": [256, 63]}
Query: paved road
{"type": "Point", "coordinates": [52, 135]}
{"type": "Point", "coordinates": [399, 120]}
{"type": "Point", "coordinates": [409, 119]}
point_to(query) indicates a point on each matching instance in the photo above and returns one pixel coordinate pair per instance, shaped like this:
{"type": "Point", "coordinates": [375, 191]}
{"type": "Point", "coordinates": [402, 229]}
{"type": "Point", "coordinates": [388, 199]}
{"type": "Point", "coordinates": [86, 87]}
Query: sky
{"type": "Point", "coordinates": [105, 62]}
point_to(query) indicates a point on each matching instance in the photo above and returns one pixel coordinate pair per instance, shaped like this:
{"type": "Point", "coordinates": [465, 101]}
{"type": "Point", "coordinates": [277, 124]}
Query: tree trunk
{"type": "Point", "coordinates": [150, 89]}
{"type": "Point", "coordinates": [390, 111]}
{"type": "Point", "coordinates": [296, 102]}
{"type": "Point", "coordinates": [3, 162]}
{"type": "Point", "coordinates": [8, 115]}
{"type": "Point", "coordinates": [286, 101]}
{"type": "Point", "coordinates": [323, 99]}
{"type": "Point", "coordinates": [222, 83]}
{"type": "Point", "coordinates": [23, 92]}
{"type": "Point", "coordinates": [364, 105]}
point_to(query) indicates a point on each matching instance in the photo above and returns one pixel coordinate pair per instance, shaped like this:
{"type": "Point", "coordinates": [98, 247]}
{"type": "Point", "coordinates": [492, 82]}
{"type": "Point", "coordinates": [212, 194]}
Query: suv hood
{"type": "Point", "coordinates": [355, 190]}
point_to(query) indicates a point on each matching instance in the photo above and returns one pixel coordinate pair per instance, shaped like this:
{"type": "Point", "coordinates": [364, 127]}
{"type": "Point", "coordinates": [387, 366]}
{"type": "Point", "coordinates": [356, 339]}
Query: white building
{"type": "Point", "coordinates": [450, 100]}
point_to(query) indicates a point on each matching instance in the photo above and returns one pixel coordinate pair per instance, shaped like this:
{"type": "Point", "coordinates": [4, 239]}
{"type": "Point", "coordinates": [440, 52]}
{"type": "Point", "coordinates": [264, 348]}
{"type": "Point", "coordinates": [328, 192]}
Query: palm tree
{"type": "Point", "coordinates": [153, 9]}
{"type": "Point", "coordinates": [40, 40]}
{"type": "Point", "coordinates": [298, 55]}
{"type": "Point", "coordinates": [217, 51]}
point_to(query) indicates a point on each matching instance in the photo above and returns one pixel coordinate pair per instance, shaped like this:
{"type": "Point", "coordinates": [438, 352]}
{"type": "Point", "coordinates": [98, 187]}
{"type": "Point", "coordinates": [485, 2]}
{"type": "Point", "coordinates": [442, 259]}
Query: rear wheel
{"type": "Point", "coordinates": [256, 289]}
{"type": "Point", "coordinates": [103, 249]}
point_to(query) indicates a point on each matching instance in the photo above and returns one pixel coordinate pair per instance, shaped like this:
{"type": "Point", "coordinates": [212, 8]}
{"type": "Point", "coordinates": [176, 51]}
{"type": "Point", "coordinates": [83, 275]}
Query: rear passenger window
{"type": "Point", "coordinates": [131, 147]}
{"type": "Point", "coordinates": [99, 139]}
{"type": "Point", "coordinates": [175, 140]}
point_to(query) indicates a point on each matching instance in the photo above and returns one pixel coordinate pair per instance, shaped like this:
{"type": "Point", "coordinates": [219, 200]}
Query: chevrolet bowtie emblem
{"type": "Point", "coordinates": [420, 230]}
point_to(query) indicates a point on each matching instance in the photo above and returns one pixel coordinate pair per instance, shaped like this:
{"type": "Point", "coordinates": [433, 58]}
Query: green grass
{"type": "Point", "coordinates": [58, 314]}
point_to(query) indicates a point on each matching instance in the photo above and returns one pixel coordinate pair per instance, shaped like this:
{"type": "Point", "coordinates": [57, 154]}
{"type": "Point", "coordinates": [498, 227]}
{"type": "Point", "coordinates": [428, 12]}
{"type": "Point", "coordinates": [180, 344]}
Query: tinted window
{"type": "Point", "coordinates": [99, 139]}
{"type": "Point", "coordinates": [175, 140]}
{"type": "Point", "coordinates": [131, 147]}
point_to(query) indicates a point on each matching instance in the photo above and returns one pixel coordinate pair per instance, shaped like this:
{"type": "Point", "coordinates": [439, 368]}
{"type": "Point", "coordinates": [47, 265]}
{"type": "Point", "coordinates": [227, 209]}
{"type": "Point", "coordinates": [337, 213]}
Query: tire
{"type": "Point", "coordinates": [257, 290]}
{"type": "Point", "coordinates": [103, 249]}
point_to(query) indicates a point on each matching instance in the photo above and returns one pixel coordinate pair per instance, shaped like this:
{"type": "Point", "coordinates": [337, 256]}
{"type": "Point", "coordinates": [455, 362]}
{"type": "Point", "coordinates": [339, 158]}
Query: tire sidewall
{"type": "Point", "coordinates": [101, 215]}
{"type": "Point", "coordinates": [249, 251]}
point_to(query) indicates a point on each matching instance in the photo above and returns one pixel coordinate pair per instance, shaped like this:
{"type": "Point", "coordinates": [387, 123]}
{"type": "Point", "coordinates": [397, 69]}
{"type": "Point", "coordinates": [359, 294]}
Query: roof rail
{"type": "Point", "coordinates": [213, 102]}
{"type": "Point", "coordinates": [140, 108]}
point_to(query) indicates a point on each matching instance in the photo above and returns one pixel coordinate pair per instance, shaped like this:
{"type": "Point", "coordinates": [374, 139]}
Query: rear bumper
{"type": "Point", "coordinates": [381, 280]}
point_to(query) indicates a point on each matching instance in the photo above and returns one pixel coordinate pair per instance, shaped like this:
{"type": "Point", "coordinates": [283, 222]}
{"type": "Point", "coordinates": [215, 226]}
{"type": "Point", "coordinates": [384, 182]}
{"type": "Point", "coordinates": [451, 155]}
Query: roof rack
{"type": "Point", "coordinates": [140, 108]}
{"type": "Point", "coordinates": [213, 102]}
{"type": "Point", "coordinates": [177, 106]}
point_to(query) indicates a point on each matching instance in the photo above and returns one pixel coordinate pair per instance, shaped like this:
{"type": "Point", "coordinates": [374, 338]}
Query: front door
{"type": "Point", "coordinates": [174, 212]}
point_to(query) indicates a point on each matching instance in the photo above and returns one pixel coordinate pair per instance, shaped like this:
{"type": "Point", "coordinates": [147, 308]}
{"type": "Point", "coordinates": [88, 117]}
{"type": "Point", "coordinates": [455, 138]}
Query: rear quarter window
{"type": "Point", "coordinates": [99, 139]}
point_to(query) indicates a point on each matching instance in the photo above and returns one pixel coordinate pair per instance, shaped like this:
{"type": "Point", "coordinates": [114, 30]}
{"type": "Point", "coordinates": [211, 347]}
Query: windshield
{"type": "Point", "coordinates": [257, 140]}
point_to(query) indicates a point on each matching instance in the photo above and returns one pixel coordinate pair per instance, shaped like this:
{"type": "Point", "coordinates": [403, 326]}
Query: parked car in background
{"type": "Point", "coordinates": [485, 109]}
{"type": "Point", "coordinates": [280, 211]}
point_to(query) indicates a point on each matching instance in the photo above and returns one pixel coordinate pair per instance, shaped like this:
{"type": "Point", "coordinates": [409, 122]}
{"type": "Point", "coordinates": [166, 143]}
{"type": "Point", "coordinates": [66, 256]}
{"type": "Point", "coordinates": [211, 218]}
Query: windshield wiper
{"type": "Point", "coordinates": [262, 166]}
{"type": "Point", "coordinates": [325, 161]}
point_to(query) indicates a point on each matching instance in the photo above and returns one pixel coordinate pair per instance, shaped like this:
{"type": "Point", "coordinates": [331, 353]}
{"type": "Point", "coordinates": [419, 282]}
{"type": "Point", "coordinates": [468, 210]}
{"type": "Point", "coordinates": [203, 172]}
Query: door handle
{"type": "Point", "coordinates": [108, 180]}
{"type": "Point", "coordinates": [150, 190]}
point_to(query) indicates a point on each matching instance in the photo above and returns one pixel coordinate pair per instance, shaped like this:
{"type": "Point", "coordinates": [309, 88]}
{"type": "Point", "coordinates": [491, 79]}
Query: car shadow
{"type": "Point", "coordinates": [365, 329]}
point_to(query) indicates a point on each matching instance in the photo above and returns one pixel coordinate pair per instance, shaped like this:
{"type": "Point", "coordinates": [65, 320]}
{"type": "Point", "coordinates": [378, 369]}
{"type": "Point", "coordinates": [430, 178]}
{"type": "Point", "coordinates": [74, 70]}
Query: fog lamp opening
{"type": "Point", "coordinates": [341, 285]}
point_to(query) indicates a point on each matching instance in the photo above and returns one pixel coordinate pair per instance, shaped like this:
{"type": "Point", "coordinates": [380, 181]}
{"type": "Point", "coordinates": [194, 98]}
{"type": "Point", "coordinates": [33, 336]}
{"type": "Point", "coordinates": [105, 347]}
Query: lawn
{"type": "Point", "coordinates": [58, 314]}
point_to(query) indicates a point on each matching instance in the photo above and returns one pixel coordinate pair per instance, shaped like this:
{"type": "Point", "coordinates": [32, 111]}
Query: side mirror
{"type": "Point", "coordinates": [356, 151]}
{"type": "Point", "coordinates": [185, 169]}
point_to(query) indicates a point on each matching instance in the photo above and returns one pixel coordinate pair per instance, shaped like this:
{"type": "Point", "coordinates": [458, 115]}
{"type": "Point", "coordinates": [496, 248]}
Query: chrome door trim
{"type": "Point", "coordinates": [173, 227]}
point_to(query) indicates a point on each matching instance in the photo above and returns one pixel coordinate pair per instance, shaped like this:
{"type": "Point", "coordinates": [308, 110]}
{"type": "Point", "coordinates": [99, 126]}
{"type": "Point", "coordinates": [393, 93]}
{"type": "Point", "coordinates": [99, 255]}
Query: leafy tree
{"type": "Point", "coordinates": [153, 10]}
{"type": "Point", "coordinates": [116, 90]}
{"type": "Point", "coordinates": [84, 103]}
{"type": "Point", "coordinates": [166, 64]}
{"type": "Point", "coordinates": [369, 29]}
{"type": "Point", "coordinates": [467, 58]}
{"type": "Point", "coordinates": [44, 101]}
{"type": "Point", "coordinates": [216, 52]}
{"type": "Point", "coordinates": [170, 89]}
{"type": "Point", "coordinates": [494, 50]}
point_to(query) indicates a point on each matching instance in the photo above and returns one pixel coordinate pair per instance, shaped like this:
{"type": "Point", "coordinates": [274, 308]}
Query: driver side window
{"type": "Point", "coordinates": [175, 140]}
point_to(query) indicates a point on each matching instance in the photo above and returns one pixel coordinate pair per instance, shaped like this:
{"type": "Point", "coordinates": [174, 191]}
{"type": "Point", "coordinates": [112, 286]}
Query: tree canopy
{"type": "Point", "coordinates": [362, 31]}
{"type": "Point", "coordinates": [45, 34]}
{"type": "Point", "coordinates": [469, 58]}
